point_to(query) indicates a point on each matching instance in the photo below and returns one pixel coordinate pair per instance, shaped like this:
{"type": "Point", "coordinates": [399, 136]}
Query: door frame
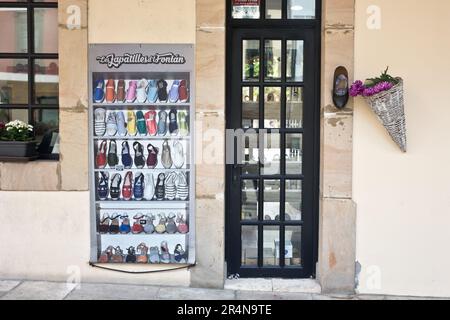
{"type": "Point", "coordinates": [316, 26]}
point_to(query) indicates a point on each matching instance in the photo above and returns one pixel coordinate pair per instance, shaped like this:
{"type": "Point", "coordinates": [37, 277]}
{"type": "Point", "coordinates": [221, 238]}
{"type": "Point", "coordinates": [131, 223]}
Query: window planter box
{"type": "Point", "coordinates": [20, 150]}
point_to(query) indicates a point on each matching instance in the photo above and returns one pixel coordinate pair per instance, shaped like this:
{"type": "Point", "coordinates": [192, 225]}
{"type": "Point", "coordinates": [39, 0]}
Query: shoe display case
{"type": "Point", "coordinates": [141, 115]}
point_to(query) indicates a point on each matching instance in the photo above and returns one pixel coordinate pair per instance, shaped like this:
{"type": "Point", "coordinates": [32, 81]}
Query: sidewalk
{"type": "Point", "coordinates": [42, 290]}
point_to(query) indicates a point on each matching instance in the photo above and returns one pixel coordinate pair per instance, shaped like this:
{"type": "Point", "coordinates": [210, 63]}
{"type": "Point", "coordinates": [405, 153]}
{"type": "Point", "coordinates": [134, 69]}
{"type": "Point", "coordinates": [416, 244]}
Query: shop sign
{"type": "Point", "coordinates": [246, 9]}
{"type": "Point", "coordinates": [114, 61]}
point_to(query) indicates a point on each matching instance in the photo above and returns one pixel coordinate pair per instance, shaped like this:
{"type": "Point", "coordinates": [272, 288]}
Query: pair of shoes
{"type": "Point", "coordinates": [176, 186]}
{"type": "Point", "coordinates": [115, 124]}
{"type": "Point", "coordinates": [112, 255]}
{"type": "Point", "coordinates": [174, 156]}
{"type": "Point", "coordinates": [179, 92]}
{"type": "Point", "coordinates": [130, 190]}
{"type": "Point", "coordinates": [100, 122]}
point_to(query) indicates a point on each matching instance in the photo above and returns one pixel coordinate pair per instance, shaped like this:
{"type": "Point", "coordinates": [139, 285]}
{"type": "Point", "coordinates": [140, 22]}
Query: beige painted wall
{"type": "Point", "coordinates": [404, 199]}
{"type": "Point", "coordinates": [47, 237]}
{"type": "Point", "coordinates": [142, 21]}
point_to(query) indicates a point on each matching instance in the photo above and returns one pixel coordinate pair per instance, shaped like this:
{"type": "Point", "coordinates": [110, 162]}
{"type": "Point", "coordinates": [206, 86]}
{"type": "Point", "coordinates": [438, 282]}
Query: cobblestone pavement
{"type": "Point", "coordinates": [43, 290]}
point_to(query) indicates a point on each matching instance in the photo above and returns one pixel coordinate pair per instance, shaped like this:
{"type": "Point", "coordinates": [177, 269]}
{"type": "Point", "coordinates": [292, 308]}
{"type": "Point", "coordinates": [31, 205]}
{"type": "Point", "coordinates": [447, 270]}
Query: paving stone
{"type": "Point", "coordinates": [406, 298]}
{"type": "Point", "coordinates": [299, 286]}
{"type": "Point", "coordinates": [39, 290]}
{"type": "Point", "coordinates": [332, 297]}
{"type": "Point", "coordinates": [252, 295]}
{"type": "Point", "coordinates": [195, 294]}
{"type": "Point", "coordinates": [370, 297]}
{"type": "Point", "coordinates": [8, 285]}
{"type": "Point", "coordinates": [112, 292]}
{"type": "Point", "coordinates": [249, 285]}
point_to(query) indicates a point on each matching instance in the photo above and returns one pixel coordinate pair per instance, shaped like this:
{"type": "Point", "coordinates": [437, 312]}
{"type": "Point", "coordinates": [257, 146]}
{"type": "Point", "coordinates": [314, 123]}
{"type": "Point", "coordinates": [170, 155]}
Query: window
{"type": "Point", "coordinates": [274, 9]}
{"type": "Point", "coordinates": [29, 75]}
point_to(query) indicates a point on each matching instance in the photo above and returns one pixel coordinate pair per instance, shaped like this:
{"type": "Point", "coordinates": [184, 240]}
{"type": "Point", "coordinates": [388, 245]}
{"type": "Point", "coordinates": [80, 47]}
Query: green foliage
{"type": "Point", "coordinates": [385, 77]}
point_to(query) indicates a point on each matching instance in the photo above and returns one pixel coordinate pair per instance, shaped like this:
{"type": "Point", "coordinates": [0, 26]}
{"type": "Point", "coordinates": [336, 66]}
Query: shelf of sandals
{"type": "Point", "coordinates": [142, 151]}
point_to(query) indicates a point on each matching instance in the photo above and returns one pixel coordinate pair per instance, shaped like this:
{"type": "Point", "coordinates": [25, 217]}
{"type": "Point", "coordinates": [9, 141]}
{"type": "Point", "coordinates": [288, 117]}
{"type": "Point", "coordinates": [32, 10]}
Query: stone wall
{"type": "Point", "coordinates": [337, 221]}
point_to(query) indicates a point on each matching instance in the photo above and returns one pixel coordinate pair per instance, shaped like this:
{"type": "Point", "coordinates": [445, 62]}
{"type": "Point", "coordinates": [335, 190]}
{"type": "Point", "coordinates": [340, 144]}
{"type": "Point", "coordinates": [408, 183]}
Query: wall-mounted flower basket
{"type": "Point", "coordinates": [385, 97]}
{"type": "Point", "coordinates": [389, 108]}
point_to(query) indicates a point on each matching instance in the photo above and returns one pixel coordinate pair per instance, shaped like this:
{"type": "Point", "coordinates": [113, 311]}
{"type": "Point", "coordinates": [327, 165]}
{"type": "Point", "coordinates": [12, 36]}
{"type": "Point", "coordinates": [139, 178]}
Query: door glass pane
{"type": "Point", "coordinates": [46, 30]}
{"type": "Point", "coordinates": [250, 60]}
{"type": "Point", "coordinates": [272, 154]}
{"type": "Point", "coordinates": [301, 9]}
{"type": "Point", "coordinates": [250, 197]}
{"type": "Point", "coordinates": [272, 107]}
{"type": "Point", "coordinates": [272, 58]}
{"type": "Point", "coordinates": [271, 250]}
{"type": "Point", "coordinates": [245, 9]}
{"type": "Point", "coordinates": [294, 154]}
{"type": "Point", "coordinates": [293, 236]}
{"type": "Point", "coordinates": [251, 154]}
{"type": "Point", "coordinates": [249, 238]}
{"type": "Point", "coordinates": [294, 60]}
{"type": "Point", "coordinates": [47, 81]}
{"type": "Point", "coordinates": [13, 81]}
{"type": "Point", "coordinates": [271, 200]}
{"type": "Point", "coordinates": [294, 107]}
{"type": "Point", "coordinates": [293, 196]}
{"type": "Point", "coordinates": [250, 107]}
{"type": "Point", "coordinates": [13, 30]}
{"type": "Point", "coordinates": [273, 9]}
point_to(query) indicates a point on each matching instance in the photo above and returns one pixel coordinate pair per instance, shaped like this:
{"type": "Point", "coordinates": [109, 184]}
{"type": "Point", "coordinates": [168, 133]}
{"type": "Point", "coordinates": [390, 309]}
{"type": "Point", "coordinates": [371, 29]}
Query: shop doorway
{"type": "Point", "coordinates": [273, 86]}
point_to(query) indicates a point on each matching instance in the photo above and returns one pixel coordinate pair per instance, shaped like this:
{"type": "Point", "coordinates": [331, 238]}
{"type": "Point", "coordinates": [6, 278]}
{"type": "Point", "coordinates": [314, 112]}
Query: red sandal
{"type": "Point", "coordinates": [137, 225]}
{"type": "Point", "coordinates": [127, 189]}
{"type": "Point", "coordinates": [100, 159]}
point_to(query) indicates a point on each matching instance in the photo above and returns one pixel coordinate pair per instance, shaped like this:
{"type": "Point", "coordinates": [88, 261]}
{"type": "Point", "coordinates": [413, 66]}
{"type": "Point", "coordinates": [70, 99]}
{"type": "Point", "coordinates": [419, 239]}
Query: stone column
{"type": "Point", "coordinates": [210, 145]}
{"type": "Point", "coordinates": [337, 221]}
{"type": "Point", "coordinates": [73, 94]}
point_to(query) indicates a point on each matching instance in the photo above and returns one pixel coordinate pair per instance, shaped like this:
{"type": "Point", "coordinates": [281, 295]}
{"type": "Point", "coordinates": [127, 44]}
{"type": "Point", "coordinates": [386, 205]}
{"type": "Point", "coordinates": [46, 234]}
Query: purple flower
{"type": "Point", "coordinates": [357, 88]}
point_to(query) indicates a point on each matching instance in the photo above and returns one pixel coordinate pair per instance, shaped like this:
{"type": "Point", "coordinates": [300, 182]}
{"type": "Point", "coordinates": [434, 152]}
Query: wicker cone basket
{"type": "Point", "coordinates": [389, 108]}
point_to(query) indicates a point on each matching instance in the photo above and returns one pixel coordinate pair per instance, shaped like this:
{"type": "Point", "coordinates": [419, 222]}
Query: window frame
{"type": "Point", "coordinates": [264, 22]}
{"type": "Point", "coordinates": [31, 56]}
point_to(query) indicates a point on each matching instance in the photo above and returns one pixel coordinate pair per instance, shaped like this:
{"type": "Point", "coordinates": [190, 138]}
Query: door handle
{"type": "Point", "coordinates": [236, 172]}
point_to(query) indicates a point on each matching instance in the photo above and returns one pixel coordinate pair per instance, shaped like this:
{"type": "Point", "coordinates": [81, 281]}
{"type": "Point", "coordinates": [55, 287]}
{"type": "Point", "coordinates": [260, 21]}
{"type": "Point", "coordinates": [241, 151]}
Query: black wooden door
{"type": "Point", "coordinates": [272, 186]}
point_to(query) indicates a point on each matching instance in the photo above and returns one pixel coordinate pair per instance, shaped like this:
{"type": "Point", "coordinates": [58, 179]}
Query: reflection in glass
{"type": "Point", "coordinates": [7, 115]}
{"type": "Point", "coordinates": [245, 11]}
{"type": "Point", "coordinates": [13, 30]}
{"type": "Point", "coordinates": [272, 58]}
{"type": "Point", "coordinates": [294, 107]}
{"type": "Point", "coordinates": [273, 9]}
{"type": "Point", "coordinates": [250, 60]}
{"type": "Point", "coordinates": [249, 210]}
{"type": "Point", "coordinates": [271, 246]}
{"type": "Point", "coordinates": [13, 81]}
{"type": "Point", "coordinates": [47, 81]}
{"type": "Point", "coordinates": [45, 121]}
{"type": "Point", "coordinates": [46, 30]}
{"type": "Point", "coordinates": [293, 245]}
{"type": "Point", "coordinates": [272, 200]}
{"type": "Point", "coordinates": [272, 154]}
{"type": "Point", "coordinates": [301, 9]}
{"type": "Point", "coordinates": [251, 153]}
{"type": "Point", "coordinates": [249, 238]}
{"type": "Point", "coordinates": [250, 107]}
{"type": "Point", "coordinates": [272, 107]}
{"type": "Point", "coordinates": [294, 153]}
{"type": "Point", "coordinates": [294, 60]}
{"type": "Point", "coordinates": [293, 196]}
